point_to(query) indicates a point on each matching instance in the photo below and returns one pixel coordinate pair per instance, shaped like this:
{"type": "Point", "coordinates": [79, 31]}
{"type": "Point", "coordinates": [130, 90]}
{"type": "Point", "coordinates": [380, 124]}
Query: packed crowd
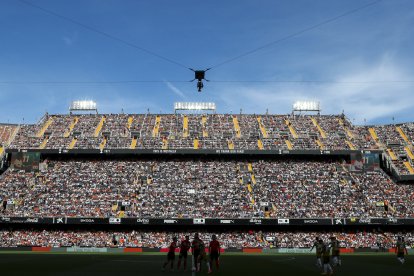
{"type": "Point", "coordinates": [378, 190]}
{"type": "Point", "coordinates": [6, 132]}
{"type": "Point", "coordinates": [408, 129]}
{"type": "Point", "coordinates": [152, 189]}
{"type": "Point", "coordinates": [202, 188]}
{"type": "Point", "coordinates": [214, 131]}
{"type": "Point", "coordinates": [326, 189]}
{"type": "Point", "coordinates": [233, 239]}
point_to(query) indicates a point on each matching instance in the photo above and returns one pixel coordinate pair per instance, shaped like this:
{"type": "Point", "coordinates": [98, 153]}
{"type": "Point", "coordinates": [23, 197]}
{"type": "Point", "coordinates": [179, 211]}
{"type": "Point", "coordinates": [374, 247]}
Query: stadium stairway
{"type": "Point", "coordinates": [260, 144]}
{"type": "Point", "coordinates": [45, 126]}
{"type": "Point", "coordinates": [392, 154]}
{"type": "Point", "coordinates": [156, 126]}
{"type": "Point", "coordinates": [99, 127]}
{"type": "Point", "coordinates": [44, 142]}
{"type": "Point", "coordinates": [204, 125]}
{"type": "Point", "coordinates": [374, 135]}
{"type": "Point", "coordinates": [320, 144]}
{"type": "Point", "coordinates": [185, 126]}
{"type": "Point", "coordinates": [289, 144]}
{"type": "Point", "coordinates": [230, 144]}
{"type": "Point", "coordinates": [252, 181]}
{"type": "Point", "coordinates": [164, 143]}
{"type": "Point", "coordinates": [71, 126]}
{"type": "Point", "coordinates": [250, 168]}
{"type": "Point", "coordinates": [130, 120]}
{"type": "Point", "coordinates": [11, 138]}
{"type": "Point", "coordinates": [350, 145]}
{"type": "Point", "coordinates": [321, 131]}
{"type": "Point", "coordinates": [73, 143]}
{"type": "Point", "coordinates": [236, 127]}
{"type": "Point", "coordinates": [409, 153]}
{"type": "Point", "coordinates": [103, 143]}
{"type": "Point", "coordinates": [134, 142]}
{"type": "Point", "coordinates": [292, 129]}
{"type": "Point", "coordinates": [402, 134]}
{"type": "Point", "coordinates": [195, 144]}
{"type": "Point", "coordinates": [262, 127]}
{"type": "Point", "coordinates": [409, 167]}
{"type": "Point", "coordinates": [347, 131]}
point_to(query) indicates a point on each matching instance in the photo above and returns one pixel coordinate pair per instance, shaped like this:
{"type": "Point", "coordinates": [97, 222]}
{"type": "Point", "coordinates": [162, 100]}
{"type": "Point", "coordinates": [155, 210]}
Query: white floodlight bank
{"type": "Point", "coordinates": [83, 106]}
{"type": "Point", "coordinates": [194, 106]}
{"type": "Point", "coordinates": [306, 106]}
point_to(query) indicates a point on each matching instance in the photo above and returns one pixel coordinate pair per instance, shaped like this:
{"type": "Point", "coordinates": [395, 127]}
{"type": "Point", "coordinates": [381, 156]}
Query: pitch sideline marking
{"type": "Point", "coordinates": [284, 260]}
{"type": "Point", "coordinates": [131, 261]}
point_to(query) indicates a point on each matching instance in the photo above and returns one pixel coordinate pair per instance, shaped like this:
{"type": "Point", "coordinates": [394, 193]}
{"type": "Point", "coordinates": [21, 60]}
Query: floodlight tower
{"type": "Point", "coordinates": [306, 106]}
{"type": "Point", "coordinates": [83, 106]}
{"type": "Point", "coordinates": [194, 106]}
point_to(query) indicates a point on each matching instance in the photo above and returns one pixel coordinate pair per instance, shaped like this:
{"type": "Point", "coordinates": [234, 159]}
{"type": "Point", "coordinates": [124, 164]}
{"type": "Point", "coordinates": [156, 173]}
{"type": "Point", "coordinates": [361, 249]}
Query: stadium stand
{"type": "Point", "coordinates": [213, 131]}
{"type": "Point", "coordinates": [228, 239]}
{"type": "Point", "coordinates": [202, 188]}
{"type": "Point", "coordinates": [6, 134]}
{"type": "Point", "coordinates": [89, 182]}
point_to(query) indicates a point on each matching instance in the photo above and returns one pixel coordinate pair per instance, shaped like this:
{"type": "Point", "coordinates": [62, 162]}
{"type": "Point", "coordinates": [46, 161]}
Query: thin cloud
{"type": "Point", "coordinates": [70, 40]}
{"type": "Point", "coordinates": [176, 90]}
{"type": "Point", "coordinates": [361, 102]}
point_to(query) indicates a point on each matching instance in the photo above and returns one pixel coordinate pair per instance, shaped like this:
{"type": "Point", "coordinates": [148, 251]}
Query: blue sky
{"type": "Point", "coordinates": [358, 55]}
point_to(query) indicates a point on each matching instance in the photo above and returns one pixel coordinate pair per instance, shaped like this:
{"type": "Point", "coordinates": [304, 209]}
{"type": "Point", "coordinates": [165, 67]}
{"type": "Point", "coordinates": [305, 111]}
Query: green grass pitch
{"type": "Point", "coordinates": [231, 264]}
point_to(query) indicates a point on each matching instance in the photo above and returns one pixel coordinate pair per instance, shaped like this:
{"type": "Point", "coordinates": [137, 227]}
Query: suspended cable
{"type": "Point", "coordinates": [105, 34]}
{"type": "Point", "coordinates": [316, 82]}
{"type": "Point", "coordinates": [325, 22]}
{"type": "Point", "coordinates": [89, 82]}
{"type": "Point", "coordinates": [313, 81]}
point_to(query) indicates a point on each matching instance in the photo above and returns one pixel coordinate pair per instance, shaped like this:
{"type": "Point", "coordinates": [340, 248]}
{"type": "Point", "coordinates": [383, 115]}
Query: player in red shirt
{"type": "Point", "coordinates": [195, 246]}
{"type": "Point", "coordinates": [184, 247]}
{"type": "Point", "coordinates": [214, 250]}
{"type": "Point", "coordinates": [171, 254]}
